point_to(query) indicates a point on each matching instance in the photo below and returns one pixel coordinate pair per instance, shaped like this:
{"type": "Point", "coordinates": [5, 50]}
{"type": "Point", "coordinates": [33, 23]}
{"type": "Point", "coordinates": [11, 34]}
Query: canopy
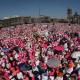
{"type": "Point", "coordinates": [53, 62]}
{"type": "Point", "coordinates": [24, 67]}
{"type": "Point", "coordinates": [59, 48]}
{"type": "Point", "coordinates": [5, 49]}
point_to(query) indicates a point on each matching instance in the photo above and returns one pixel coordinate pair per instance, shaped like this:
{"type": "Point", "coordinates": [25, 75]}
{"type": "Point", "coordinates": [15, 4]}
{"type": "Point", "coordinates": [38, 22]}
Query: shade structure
{"type": "Point", "coordinates": [75, 54]}
{"type": "Point", "coordinates": [59, 48]}
{"type": "Point", "coordinates": [53, 62]}
{"type": "Point", "coordinates": [24, 67]}
{"type": "Point", "coordinates": [5, 49]}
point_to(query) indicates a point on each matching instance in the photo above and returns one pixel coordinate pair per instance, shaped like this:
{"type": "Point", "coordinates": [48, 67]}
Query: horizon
{"type": "Point", "coordinates": [52, 8]}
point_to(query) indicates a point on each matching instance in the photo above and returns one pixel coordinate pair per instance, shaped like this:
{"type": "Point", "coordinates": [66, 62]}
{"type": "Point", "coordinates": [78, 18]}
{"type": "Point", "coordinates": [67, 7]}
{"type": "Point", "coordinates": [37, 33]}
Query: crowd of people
{"type": "Point", "coordinates": [26, 49]}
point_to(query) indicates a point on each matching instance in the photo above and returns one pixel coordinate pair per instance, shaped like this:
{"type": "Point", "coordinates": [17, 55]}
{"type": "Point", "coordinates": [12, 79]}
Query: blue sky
{"type": "Point", "coordinates": [53, 8]}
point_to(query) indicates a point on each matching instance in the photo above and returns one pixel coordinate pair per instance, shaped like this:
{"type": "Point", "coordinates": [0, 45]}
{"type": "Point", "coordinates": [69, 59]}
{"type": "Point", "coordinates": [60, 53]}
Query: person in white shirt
{"type": "Point", "coordinates": [45, 76]}
{"type": "Point", "coordinates": [70, 70]}
{"type": "Point", "coordinates": [78, 65]}
{"type": "Point", "coordinates": [59, 78]}
{"type": "Point", "coordinates": [37, 62]}
{"type": "Point", "coordinates": [20, 75]}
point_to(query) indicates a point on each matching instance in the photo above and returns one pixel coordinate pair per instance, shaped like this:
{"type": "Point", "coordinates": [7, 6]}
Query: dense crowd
{"type": "Point", "coordinates": [26, 49]}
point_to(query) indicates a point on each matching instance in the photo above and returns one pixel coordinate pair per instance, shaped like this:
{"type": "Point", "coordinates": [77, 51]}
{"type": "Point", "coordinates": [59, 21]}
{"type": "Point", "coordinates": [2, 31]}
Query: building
{"type": "Point", "coordinates": [69, 15]}
{"type": "Point", "coordinates": [13, 21]}
{"type": "Point", "coordinates": [1, 23]}
{"type": "Point", "coordinates": [19, 20]}
{"type": "Point", "coordinates": [73, 18]}
{"type": "Point", "coordinates": [76, 18]}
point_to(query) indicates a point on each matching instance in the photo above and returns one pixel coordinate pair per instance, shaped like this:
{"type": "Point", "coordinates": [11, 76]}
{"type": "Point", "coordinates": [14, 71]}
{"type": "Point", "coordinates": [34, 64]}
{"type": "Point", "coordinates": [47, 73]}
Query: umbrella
{"type": "Point", "coordinates": [5, 49]}
{"type": "Point", "coordinates": [78, 40]}
{"type": "Point", "coordinates": [24, 67]}
{"type": "Point", "coordinates": [59, 48]}
{"type": "Point", "coordinates": [53, 62]}
{"type": "Point", "coordinates": [75, 54]}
